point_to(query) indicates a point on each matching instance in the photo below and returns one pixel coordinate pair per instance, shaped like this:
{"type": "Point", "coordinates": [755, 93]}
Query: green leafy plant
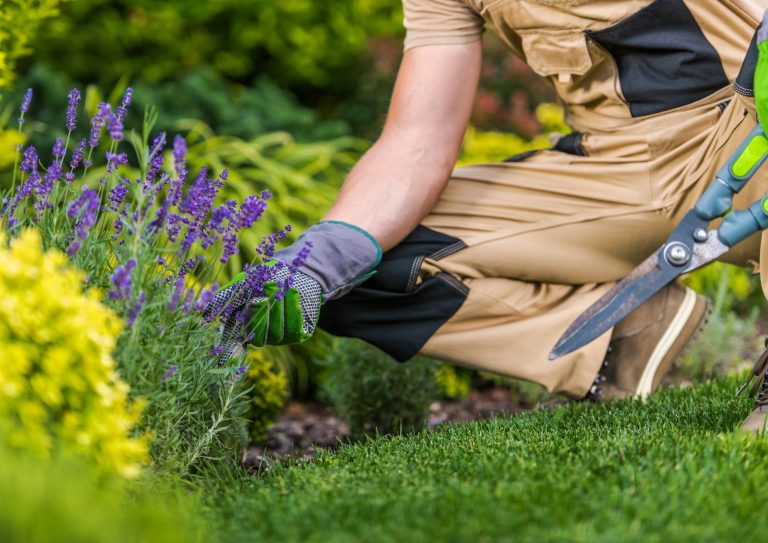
{"type": "Point", "coordinates": [730, 337]}
{"type": "Point", "coordinates": [453, 382]}
{"type": "Point", "coordinates": [268, 392]}
{"type": "Point", "coordinates": [300, 43]}
{"type": "Point", "coordinates": [374, 394]}
{"type": "Point", "coordinates": [152, 240]}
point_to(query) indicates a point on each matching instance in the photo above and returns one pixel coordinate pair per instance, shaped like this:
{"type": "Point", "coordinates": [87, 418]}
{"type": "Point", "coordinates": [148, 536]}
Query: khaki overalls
{"type": "Point", "coordinates": [514, 251]}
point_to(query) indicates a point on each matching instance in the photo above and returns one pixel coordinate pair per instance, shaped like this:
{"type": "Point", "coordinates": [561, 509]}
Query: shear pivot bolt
{"type": "Point", "coordinates": [678, 254]}
{"type": "Point", "coordinates": [700, 235]}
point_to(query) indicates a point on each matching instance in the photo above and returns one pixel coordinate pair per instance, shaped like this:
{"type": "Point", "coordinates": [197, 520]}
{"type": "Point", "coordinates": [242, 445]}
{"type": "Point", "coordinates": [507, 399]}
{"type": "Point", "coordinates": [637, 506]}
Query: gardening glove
{"type": "Point", "coordinates": [761, 74]}
{"type": "Point", "coordinates": [340, 256]}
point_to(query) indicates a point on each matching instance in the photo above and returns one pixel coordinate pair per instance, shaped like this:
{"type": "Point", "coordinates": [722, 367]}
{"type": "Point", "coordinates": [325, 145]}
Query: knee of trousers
{"type": "Point", "coordinates": [395, 310]}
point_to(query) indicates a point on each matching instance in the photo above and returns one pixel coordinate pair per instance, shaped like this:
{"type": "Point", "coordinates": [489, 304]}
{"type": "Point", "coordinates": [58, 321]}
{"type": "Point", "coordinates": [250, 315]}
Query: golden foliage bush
{"type": "Point", "coordinates": [59, 387]}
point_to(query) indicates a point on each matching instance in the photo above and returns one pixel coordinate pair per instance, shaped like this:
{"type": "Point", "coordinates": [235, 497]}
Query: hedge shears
{"type": "Point", "coordinates": [689, 247]}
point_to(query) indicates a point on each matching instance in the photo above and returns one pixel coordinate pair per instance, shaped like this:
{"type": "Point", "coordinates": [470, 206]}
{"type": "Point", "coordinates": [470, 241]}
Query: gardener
{"type": "Point", "coordinates": [487, 265]}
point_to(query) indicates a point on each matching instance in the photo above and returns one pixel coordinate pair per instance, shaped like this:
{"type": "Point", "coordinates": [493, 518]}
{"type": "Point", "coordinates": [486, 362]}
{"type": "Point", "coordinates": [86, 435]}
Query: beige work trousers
{"type": "Point", "coordinates": [548, 235]}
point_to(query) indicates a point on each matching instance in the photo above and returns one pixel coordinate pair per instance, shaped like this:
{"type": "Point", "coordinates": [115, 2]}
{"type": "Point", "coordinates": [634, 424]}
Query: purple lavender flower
{"type": "Point", "coordinates": [175, 223]}
{"type": "Point", "coordinates": [239, 372]}
{"type": "Point", "coordinates": [197, 203]}
{"type": "Point", "coordinates": [29, 160]}
{"type": "Point", "coordinates": [25, 105]}
{"type": "Point", "coordinates": [85, 209]}
{"type": "Point", "coordinates": [217, 350]}
{"type": "Point", "coordinates": [282, 287]}
{"type": "Point", "coordinates": [161, 260]}
{"type": "Point", "coordinates": [225, 212]}
{"type": "Point", "coordinates": [73, 248]}
{"type": "Point", "coordinates": [206, 295]}
{"type": "Point", "coordinates": [187, 266]}
{"type": "Point", "coordinates": [301, 257]}
{"type": "Point", "coordinates": [121, 279]}
{"type": "Point", "coordinates": [58, 149]}
{"type": "Point", "coordinates": [115, 160]}
{"type": "Point", "coordinates": [122, 109]}
{"type": "Point", "coordinates": [256, 276]}
{"type": "Point", "coordinates": [154, 168]}
{"type": "Point", "coordinates": [117, 196]}
{"type": "Point", "coordinates": [46, 187]}
{"type": "Point", "coordinates": [33, 182]}
{"type": "Point", "coordinates": [251, 210]}
{"type": "Point", "coordinates": [72, 100]}
{"type": "Point", "coordinates": [230, 243]}
{"type": "Point", "coordinates": [267, 246]}
{"type": "Point", "coordinates": [118, 229]}
{"type": "Point", "coordinates": [115, 127]}
{"type": "Point", "coordinates": [189, 301]}
{"type": "Point", "coordinates": [178, 289]}
{"type": "Point", "coordinates": [179, 161]}
{"type": "Point", "coordinates": [170, 372]}
{"type": "Point", "coordinates": [135, 310]}
{"type": "Point", "coordinates": [97, 123]}
{"type": "Point", "coordinates": [74, 161]}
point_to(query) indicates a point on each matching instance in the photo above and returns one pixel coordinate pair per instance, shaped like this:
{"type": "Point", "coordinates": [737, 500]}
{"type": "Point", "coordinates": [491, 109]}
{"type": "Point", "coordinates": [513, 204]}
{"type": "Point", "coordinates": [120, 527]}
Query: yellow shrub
{"type": "Point", "coordinates": [19, 22]}
{"type": "Point", "coordinates": [59, 388]}
{"type": "Point", "coordinates": [269, 392]}
{"type": "Point", "coordinates": [492, 146]}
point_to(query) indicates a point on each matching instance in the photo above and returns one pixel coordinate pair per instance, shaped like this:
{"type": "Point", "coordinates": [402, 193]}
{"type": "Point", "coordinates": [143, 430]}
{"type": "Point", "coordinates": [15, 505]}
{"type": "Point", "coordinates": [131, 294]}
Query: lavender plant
{"type": "Point", "coordinates": [154, 241]}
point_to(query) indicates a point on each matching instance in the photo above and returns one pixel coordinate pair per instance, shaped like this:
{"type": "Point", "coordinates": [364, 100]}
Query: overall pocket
{"type": "Point", "coordinates": [562, 54]}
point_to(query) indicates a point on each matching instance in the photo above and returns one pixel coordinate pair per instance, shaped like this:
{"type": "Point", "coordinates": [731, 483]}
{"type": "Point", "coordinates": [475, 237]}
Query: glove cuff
{"type": "Point", "coordinates": [341, 256]}
{"type": "Point", "coordinates": [762, 30]}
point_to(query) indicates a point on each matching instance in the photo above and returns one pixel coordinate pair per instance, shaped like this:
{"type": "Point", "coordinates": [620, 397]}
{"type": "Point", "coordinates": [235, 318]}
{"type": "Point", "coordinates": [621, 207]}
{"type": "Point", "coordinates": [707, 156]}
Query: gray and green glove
{"type": "Point", "coordinates": [761, 74]}
{"type": "Point", "coordinates": [340, 256]}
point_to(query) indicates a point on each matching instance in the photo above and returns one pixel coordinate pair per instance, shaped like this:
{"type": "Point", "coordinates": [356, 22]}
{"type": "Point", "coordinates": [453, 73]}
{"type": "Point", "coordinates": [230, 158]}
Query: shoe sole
{"type": "Point", "coordinates": [686, 310]}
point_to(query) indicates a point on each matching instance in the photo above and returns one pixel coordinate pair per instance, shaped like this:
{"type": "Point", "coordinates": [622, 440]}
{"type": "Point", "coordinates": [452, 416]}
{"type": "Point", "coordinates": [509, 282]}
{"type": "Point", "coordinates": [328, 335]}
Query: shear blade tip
{"type": "Point", "coordinates": [555, 354]}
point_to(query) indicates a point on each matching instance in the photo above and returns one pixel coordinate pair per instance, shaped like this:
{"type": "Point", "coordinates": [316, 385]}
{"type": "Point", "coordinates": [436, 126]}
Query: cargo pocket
{"type": "Point", "coordinates": [560, 54]}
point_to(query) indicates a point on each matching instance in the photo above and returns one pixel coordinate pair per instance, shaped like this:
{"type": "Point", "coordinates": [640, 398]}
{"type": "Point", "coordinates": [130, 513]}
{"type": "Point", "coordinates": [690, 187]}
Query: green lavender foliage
{"type": "Point", "coordinates": [195, 406]}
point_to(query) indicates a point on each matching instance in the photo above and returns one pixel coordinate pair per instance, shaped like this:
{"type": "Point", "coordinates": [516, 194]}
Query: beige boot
{"type": "Point", "coordinates": [648, 341]}
{"type": "Point", "coordinates": [756, 420]}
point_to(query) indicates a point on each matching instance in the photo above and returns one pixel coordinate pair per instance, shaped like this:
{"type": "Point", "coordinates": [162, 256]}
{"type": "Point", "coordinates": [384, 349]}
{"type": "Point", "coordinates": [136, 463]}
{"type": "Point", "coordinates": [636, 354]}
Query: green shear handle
{"type": "Point", "coordinates": [717, 200]}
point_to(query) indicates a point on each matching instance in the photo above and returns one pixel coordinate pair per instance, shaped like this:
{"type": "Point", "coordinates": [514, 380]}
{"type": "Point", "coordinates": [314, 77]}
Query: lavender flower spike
{"type": "Point", "coordinates": [25, 105]}
{"type": "Point", "coordinates": [170, 372]}
{"type": "Point", "coordinates": [97, 123]}
{"type": "Point", "coordinates": [122, 109]}
{"type": "Point", "coordinates": [73, 100]}
{"type": "Point", "coordinates": [121, 279]}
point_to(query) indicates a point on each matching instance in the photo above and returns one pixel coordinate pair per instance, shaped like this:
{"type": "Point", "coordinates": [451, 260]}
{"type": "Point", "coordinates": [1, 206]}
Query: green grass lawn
{"type": "Point", "coordinates": [670, 469]}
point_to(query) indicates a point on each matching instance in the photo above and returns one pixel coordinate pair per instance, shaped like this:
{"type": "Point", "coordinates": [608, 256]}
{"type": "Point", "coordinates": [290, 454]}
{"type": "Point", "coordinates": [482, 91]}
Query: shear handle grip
{"type": "Point", "coordinates": [733, 176]}
{"type": "Point", "coordinates": [739, 225]}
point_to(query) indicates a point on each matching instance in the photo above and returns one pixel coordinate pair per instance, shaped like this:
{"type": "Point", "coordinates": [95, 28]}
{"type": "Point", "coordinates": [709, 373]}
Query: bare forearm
{"type": "Point", "coordinates": [393, 186]}
{"type": "Point", "coordinates": [401, 177]}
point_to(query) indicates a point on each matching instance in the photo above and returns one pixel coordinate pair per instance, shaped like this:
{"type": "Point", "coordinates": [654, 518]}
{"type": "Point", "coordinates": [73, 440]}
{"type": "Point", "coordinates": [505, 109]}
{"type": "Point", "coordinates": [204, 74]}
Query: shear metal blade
{"type": "Point", "coordinates": [625, 296]}
{"type": "Point", "coordinates": [629, 293]}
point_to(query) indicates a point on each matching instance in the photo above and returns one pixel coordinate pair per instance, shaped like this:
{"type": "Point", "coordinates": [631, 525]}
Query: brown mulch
{"type": "Point", "coordinates": [304, 428]}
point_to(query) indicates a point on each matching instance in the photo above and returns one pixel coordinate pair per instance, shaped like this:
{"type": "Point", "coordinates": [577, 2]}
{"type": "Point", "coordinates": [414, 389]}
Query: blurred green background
{"type": "Point", "coordinates": [287, 95]}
